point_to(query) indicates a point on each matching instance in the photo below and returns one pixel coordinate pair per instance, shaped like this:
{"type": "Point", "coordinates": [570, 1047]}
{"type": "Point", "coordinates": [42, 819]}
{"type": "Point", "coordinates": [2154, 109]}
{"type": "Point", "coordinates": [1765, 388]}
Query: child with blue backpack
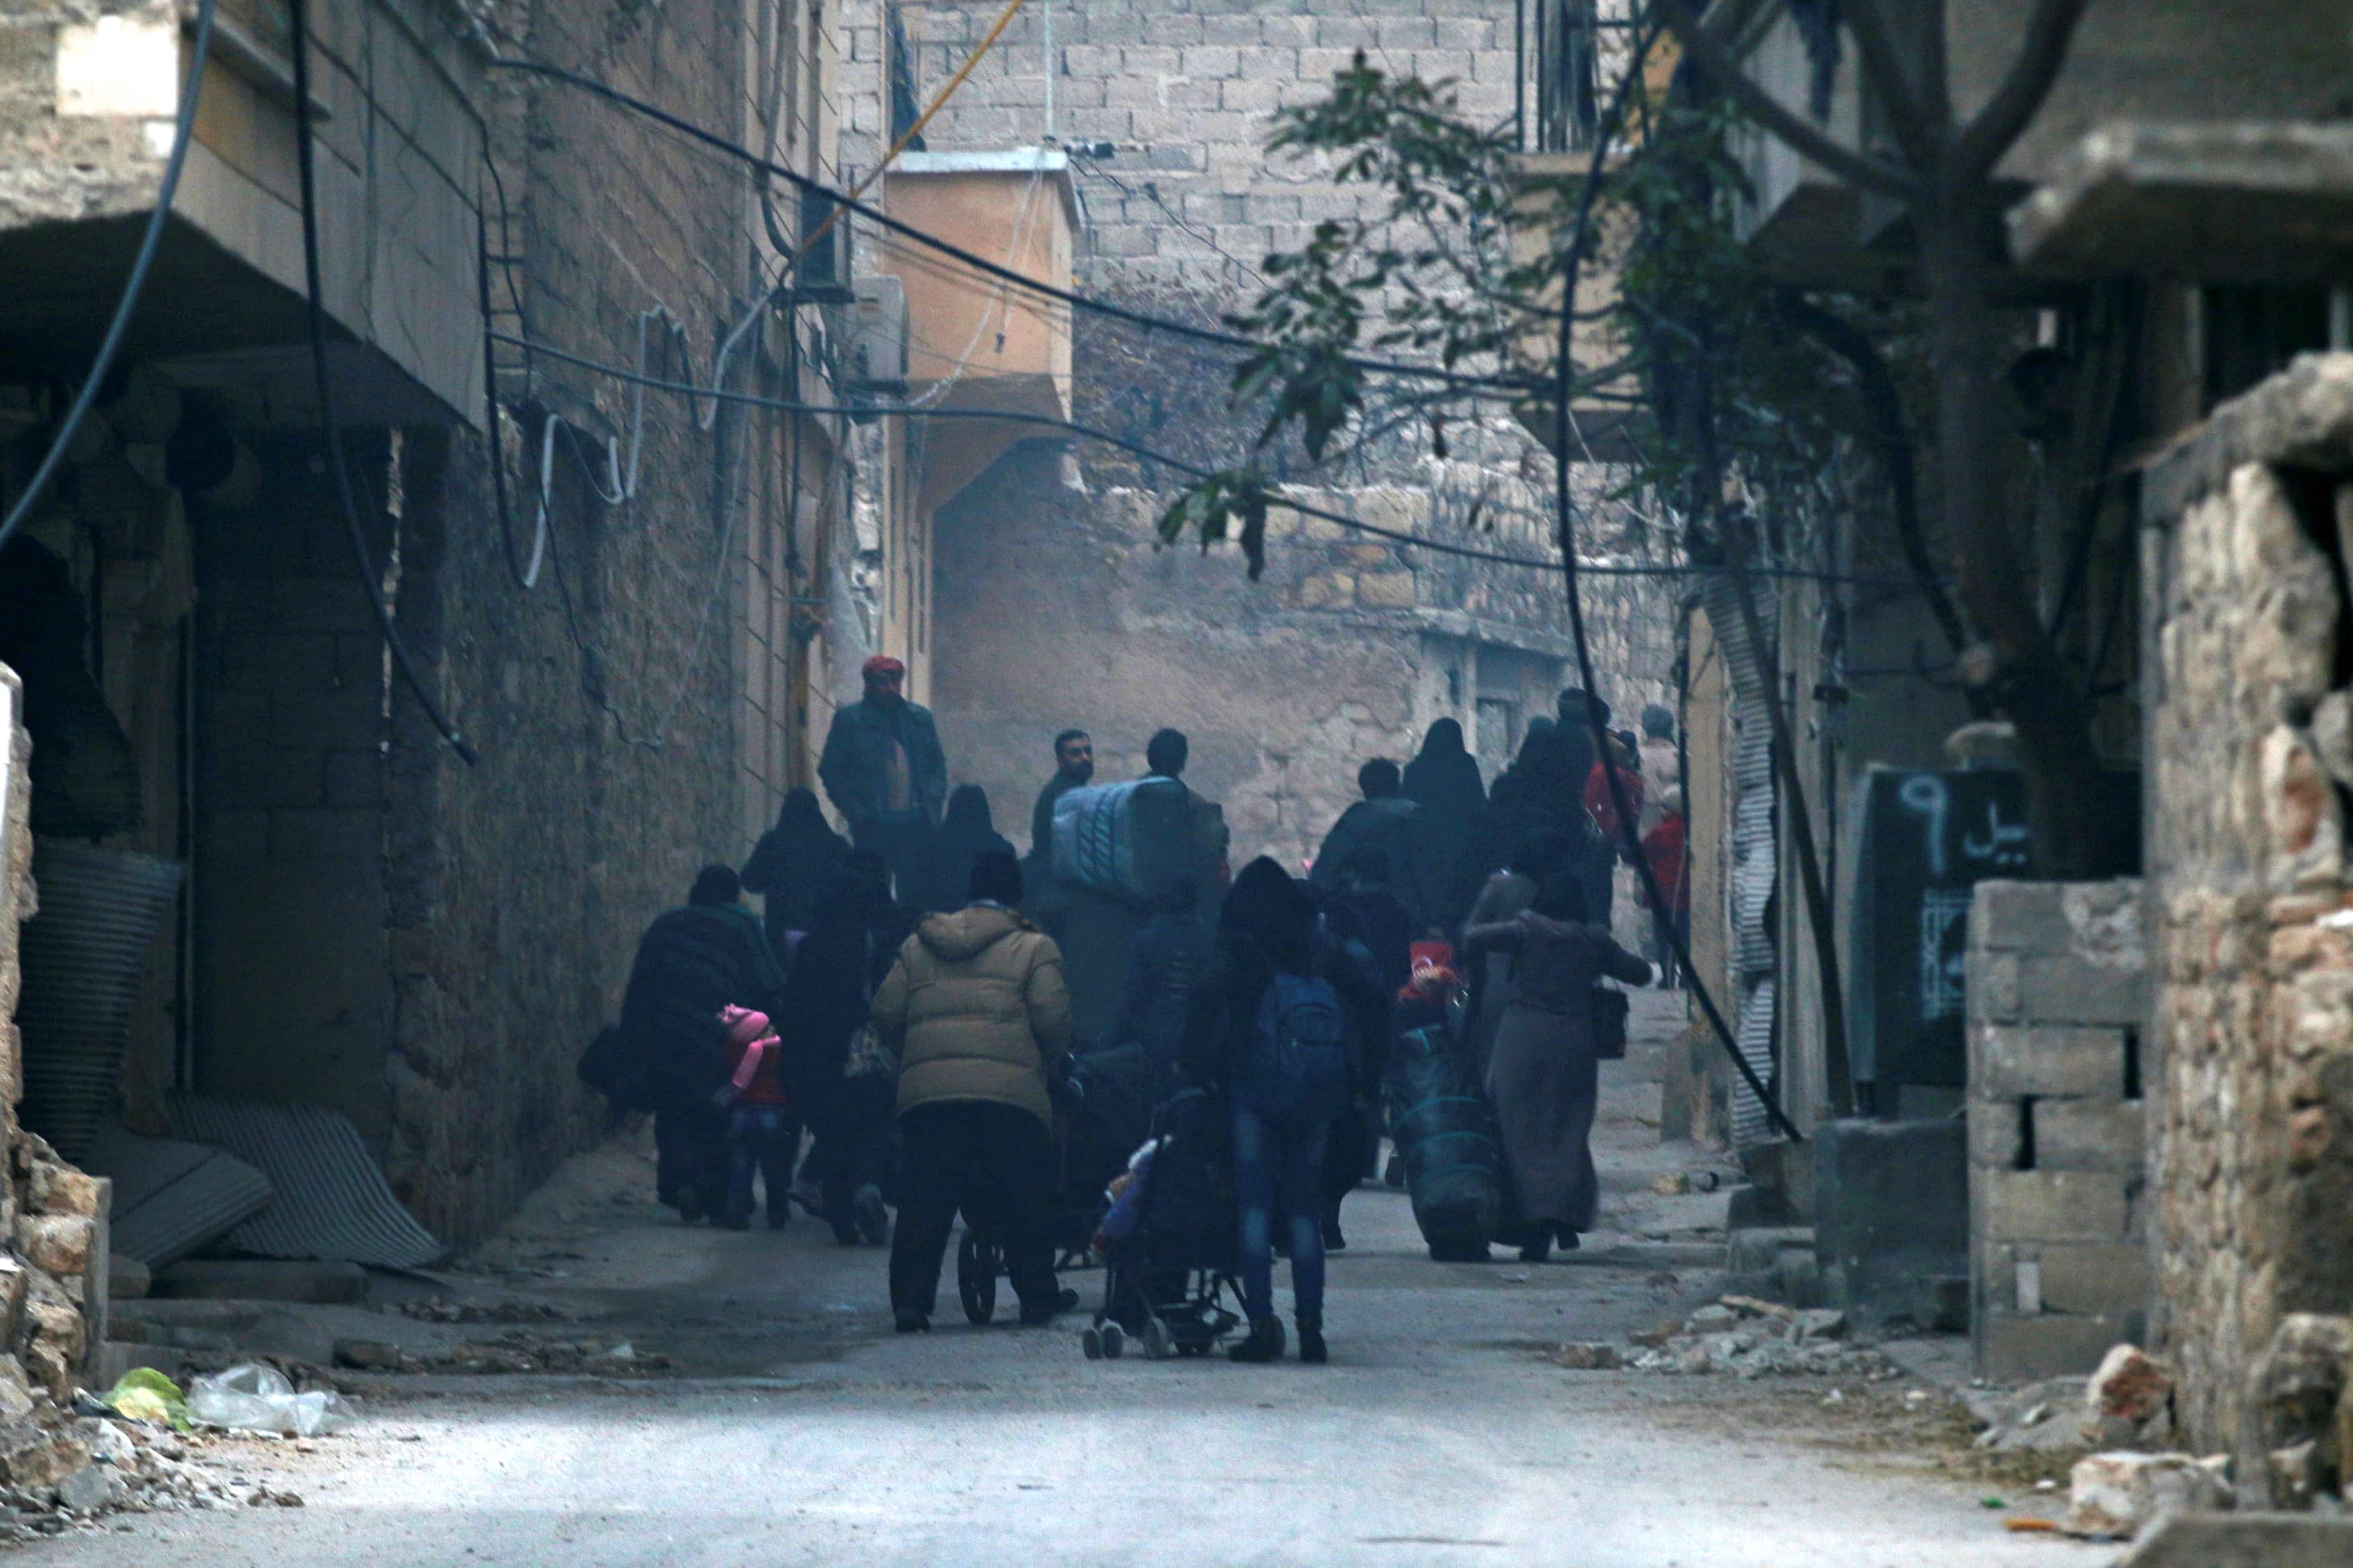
{"type": "Point", "coordinates": [1274, 1035]}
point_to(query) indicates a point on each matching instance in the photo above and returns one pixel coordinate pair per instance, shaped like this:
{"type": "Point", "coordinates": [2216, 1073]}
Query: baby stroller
{"type": "Point", "coordinates": [1105, 1104]}
{"type": "Point", "coordinates": [1166, 1284]}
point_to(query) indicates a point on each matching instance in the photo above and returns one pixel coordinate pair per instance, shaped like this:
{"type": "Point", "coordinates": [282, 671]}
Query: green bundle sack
{"type": "Point", "coordinates": [146, 1394]}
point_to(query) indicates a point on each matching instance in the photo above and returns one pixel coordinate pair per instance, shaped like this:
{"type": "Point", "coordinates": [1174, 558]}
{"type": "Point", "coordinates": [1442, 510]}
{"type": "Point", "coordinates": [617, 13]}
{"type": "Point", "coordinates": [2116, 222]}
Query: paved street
{"type": "Point", "coordinates": [796, 1429]}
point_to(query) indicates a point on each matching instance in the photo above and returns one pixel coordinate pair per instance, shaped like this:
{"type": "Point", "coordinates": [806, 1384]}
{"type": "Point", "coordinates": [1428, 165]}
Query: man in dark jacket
{"type": "Point", "coordinates": [691, 962]}
{"type": "Point", "coordinates": [884, 771]}
{"type": "Point", "coordinates": [1167, 962]}
{"type": "Point", "coordinates": [1075, 767]}
{"type": "Point", "coordinates": [1378, 858]}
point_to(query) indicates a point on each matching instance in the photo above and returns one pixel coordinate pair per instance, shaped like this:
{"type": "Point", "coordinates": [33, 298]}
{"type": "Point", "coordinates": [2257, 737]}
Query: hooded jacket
{"type": "Point", "coordinates": [976, 1009]}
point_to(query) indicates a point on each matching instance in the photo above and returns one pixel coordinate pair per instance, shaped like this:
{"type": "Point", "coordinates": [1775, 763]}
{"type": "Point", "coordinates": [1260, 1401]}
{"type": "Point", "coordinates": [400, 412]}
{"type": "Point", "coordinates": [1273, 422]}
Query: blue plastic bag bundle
{"type": "Point", "coordinates": [1446, 1136]}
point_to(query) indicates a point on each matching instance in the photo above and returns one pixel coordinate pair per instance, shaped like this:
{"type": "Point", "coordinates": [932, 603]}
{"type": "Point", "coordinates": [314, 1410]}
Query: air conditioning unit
{"type": "Point", "coordinates": [875, 357]}
{"type": "Point", "coordinates": [821, 271]}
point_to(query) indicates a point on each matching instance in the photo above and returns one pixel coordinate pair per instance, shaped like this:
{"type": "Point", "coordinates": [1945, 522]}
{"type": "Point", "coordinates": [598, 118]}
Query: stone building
{"type": "Point", "coordinates": [638, 635]}
{"type": "Point", "coordinates": [2251, 756]}
{"type": "Point", "coordinates": [1055, 604]}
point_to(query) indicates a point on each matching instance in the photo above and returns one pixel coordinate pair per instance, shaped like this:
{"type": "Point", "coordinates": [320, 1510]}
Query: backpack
{"type": "Point", "coordinates": [1297, 1055]}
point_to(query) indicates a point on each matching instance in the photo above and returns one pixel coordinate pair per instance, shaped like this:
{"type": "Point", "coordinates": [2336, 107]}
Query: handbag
{"type": "Point", "coordinates": [1610, 1008]}
{"type": "Point", "coordinates": [868, 1057]}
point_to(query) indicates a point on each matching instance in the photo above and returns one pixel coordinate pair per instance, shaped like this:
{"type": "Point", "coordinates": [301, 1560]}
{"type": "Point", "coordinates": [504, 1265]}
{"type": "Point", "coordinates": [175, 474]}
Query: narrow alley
{"type": "Point", "coordinates": [1194, 782]}
{"type": "Point", "coordinates": [792, 1428]}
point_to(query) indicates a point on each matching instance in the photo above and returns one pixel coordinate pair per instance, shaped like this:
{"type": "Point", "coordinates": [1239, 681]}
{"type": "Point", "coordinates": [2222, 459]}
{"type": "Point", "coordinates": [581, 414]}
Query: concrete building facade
{"type": "Point", "coordinates": [639, 635]}
{"type": "Point", "coordinates": [1056, 605]}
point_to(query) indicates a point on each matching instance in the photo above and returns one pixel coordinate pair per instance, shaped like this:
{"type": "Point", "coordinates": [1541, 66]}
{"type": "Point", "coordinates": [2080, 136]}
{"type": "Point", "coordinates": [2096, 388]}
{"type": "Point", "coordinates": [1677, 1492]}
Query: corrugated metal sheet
{"type": "Point", "coordinates": [331, 1202]}
{"type": "Point", "coordinates": [1750, 1124]}
{"type": "Point", "coordinates": [82, 957]}
{"type": "Point", "coordinates": [171, 1198]}
{"type": "Point", "coordinates": [1756, 956]}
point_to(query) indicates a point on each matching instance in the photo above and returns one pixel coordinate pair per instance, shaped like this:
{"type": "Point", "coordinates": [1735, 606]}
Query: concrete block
{"type": "Point", "coordinates": [2069, 989]}
{"type": "Point", "coordinates": [2087, 1134]}
{"type": "Point", "coordinates": [1992, 984]}
{"type": "Point", "coordinates": [2095, 1277]}
{"type": "Point", "coordinates": [2244, 1541]}
{"type": "Point", "coordinates": [2021, 1350]}
{"type": "Point", "coordinates": [2056, 1206]}
{"type": "Point", "coordinates": [2019, 917]}
{"type": "Point", "coordinates": [355, 779]}
{"type": "Point", "coordinates": [1994, 1133]}
{"type": "Point", "coordinates": [2008, 1061]}
{"type": "Point", "coordinates": [320, 834]}
{"type": "Point", "coordinates": [1891, 1205]}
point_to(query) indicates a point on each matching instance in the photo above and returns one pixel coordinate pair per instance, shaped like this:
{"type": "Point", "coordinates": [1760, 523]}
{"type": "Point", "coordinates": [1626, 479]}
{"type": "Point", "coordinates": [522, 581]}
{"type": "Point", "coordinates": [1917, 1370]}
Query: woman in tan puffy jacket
{"type": "Point", "coordinates": [975, 1010]}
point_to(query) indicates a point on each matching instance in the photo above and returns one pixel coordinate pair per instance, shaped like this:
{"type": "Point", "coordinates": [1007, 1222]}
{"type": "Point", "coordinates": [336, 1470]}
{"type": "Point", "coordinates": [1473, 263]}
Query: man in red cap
{"type": "Point", "coordinates": [884, 771]}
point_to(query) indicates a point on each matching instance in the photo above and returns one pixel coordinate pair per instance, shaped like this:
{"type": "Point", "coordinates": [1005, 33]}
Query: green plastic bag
{"type": "Point", "coordinates": [146, 1394]}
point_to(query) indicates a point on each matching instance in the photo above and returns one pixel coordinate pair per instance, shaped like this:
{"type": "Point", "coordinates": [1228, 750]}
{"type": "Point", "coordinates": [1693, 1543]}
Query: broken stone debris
{"type": "Point", "coordinates": [1742, 1337]}
{"type": "Point", "coordinates": [437, 1311]}
{"type": "Point", "coordinates": [2129, 1400]}
{"type": "Point", "coordinates": [2113, 1497]}
{"type": "Point", "coordinates": [516, 1351]}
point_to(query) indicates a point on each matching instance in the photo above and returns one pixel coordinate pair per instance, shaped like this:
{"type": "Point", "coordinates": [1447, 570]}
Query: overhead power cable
{"type": "Point", "coordinates": [371, 575]}
{"type": "Point", "coordinates": [1519, 385]}
{"type": "Point", "coordinates": [1137, 448]}
{"type": "Point", "coordinates": [183, 135]}
{"type": "Point", "coordinates": [1564, 428]}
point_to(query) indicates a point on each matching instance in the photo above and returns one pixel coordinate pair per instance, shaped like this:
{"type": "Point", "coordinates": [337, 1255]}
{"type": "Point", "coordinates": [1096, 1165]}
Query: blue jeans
{"type": "Point", "coordinates": [762, 1141]}
{"type": "Point", "coordinates": [1280, 1152]}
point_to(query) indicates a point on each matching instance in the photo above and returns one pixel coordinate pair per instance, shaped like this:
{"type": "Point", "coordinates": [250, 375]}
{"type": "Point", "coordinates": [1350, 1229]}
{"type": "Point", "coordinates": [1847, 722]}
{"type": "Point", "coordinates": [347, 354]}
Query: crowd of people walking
{"type": "Point", "coordinates": [897, 1028]}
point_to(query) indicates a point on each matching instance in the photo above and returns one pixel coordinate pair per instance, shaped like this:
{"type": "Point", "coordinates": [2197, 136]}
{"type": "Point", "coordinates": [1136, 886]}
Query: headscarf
{"type": "Point", "coordinates": [800, 820]}
{"type": "Point", "coordinates": [1271, 910]}
{"type": "Point", "coordinates": [964, 834]}
{"type": "Point", "coordinates": [1444, 777]}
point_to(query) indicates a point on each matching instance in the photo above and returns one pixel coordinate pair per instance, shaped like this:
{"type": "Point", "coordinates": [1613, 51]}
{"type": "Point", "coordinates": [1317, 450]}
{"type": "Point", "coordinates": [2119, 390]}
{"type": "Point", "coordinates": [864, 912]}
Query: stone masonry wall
{"type": "Point", "coordinates": [515, 892]}
{"type": "Point", "coordinates": [53, 1252]}
{"type": "Point", "coordinates": [2058, 989]}
{"type": "Point", "coordinates": [2249, 758]}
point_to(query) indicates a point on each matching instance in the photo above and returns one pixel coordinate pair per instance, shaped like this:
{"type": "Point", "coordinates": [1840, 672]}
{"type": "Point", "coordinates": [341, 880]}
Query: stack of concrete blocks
{"type": "Point", "coordinates": [2058, 990]}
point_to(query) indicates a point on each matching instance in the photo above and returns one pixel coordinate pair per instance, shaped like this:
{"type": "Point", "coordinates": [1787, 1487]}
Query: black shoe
{"type": "Point", "coordinates": [1333, 1240]}
{"type": "Point", "coordinates": [691, 1210]}
{"type": "Point", "coordinates": [780, 1214]}
{"type": "Point", "coordinates": [735, 1221]}
{"type": "Point", "coordinates": [910, 1323]}
{"type": "Point", "coordinates": [1567, 1240]}
{"type": "Point", "coordinates": [1310, 1342]}
{"type": "Point", "coordinates": [1536, 1251]}
{"type": "Point", "coordinates": [873, 1218]}
{"type": "Point", "coordinates": [1264, 1344]}
{"type": "Point", "coordinates": [1062, 1302]}
{"type": "Point", "coordinates": [1394, 1176]}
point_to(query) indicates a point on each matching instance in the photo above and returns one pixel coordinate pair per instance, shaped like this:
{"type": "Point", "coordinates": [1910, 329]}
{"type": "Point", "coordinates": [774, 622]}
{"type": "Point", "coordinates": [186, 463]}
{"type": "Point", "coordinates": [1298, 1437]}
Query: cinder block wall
{"type": "Point", "coordinates": [2058, 987]}
{"type": "Point", "coordinates": [2249, 692]}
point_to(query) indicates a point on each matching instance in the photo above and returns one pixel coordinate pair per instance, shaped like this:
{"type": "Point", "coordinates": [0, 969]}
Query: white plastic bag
{"type": "Point", "coordinates": [251, 1398]}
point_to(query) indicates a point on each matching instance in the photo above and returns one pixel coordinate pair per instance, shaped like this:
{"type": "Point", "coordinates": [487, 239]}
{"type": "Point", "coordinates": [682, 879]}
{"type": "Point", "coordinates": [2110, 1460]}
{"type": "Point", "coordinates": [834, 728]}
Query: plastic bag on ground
{"type": "Point", "coordinates": [146, 1394]}
{"type": "Point", "coordinates": [251, 1398]}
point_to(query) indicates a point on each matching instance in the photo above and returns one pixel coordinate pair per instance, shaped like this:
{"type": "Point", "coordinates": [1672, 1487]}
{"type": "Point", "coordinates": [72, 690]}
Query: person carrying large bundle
{"type": "Point", "coordinates": [1445, 1134]}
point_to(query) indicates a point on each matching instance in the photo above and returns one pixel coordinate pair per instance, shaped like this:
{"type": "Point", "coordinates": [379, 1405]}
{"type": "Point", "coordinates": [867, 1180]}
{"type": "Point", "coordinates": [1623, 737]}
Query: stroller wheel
{"type": "Point", "coordinates": [1091, 1343]}
{"type": "Point", "coordinates": [1159, 1344]}
{"type": "Point", "coordinates": [1114, 1341]}
{"type": "Point", "coordinates": [978, 1262]}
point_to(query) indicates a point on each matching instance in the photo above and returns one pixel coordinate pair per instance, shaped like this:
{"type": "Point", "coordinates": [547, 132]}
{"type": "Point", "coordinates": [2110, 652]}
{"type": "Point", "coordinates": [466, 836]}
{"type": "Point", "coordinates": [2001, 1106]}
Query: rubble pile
{"type": "Point", "coordinates": [518, 1351]}
{"type": "Point", "coordinates": [1740, 1336]}
{"type": "Point", "coordinates": [439, 1311]}
{"type": "Point", "coordinates": [99, 1467]}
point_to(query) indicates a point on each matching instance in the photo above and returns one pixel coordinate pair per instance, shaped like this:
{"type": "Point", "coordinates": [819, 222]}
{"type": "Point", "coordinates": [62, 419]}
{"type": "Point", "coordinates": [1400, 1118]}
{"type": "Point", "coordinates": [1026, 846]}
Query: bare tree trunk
{"type": "Point", "coordinates": [2019, 665]}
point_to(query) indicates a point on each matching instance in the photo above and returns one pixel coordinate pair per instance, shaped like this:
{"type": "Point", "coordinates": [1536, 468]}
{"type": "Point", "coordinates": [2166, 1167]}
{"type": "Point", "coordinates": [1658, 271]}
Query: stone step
{"type": "Point", "coordinates": [2244, 1541]}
